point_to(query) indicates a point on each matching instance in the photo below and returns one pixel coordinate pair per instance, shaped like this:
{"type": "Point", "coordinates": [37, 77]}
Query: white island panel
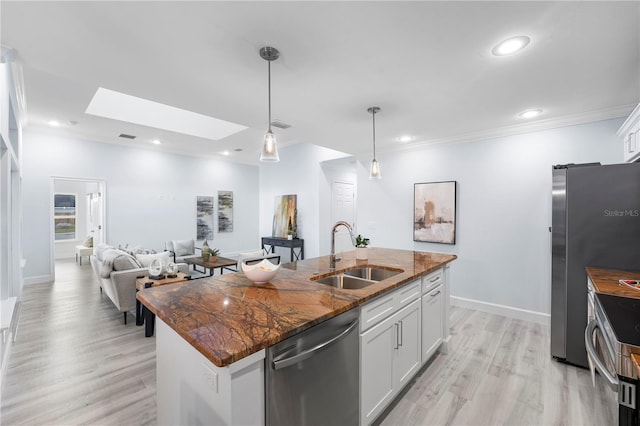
{"type": "Point", "coordinates": [192, 390]}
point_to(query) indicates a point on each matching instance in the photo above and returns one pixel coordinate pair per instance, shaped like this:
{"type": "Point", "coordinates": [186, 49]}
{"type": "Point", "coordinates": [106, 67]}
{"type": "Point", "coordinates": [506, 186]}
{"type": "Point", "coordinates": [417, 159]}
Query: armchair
{"type": "Point", "coordinates": [181, 249]}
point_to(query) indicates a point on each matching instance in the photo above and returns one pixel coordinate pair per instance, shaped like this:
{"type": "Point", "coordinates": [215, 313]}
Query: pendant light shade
{"type": "Point", "coordinates": [374, 171]}
{"type": "Point", "coordinates": [269, 147]}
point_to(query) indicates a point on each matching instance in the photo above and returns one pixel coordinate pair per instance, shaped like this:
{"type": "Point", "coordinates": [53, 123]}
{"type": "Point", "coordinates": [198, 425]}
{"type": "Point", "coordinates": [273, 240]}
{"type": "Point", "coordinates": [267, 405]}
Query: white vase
{"type": "Point", "coordinates": [361, 253]}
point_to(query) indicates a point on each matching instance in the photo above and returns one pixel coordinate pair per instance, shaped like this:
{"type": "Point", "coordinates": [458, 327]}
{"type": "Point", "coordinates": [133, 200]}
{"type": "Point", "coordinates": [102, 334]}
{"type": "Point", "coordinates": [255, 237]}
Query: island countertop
{"type": "Point", "coordinates": [228, 317]}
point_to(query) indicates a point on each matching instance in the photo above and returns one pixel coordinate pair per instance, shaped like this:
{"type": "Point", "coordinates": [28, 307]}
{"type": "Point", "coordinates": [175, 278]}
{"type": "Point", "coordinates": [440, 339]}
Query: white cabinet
{"type": "Point", "coordinates": [407, 356]}
{"type": "Point", "coordinates": [630, 133]}
{"type": "Point", "coordinates": [431, 322]}
{"type": "Point", "coordinates": [390, 357]}
{"type": "Point", "coordinates": [377, 347]}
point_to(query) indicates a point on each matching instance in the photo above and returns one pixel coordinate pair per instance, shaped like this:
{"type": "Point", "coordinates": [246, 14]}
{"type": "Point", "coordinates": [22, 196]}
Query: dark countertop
{"type": "Point", "coordinates": [227, 317]}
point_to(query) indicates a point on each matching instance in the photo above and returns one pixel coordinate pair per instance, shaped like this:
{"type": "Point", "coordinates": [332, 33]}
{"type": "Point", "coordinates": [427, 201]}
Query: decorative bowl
{"type": "Point", "coordinates": [260, 272]}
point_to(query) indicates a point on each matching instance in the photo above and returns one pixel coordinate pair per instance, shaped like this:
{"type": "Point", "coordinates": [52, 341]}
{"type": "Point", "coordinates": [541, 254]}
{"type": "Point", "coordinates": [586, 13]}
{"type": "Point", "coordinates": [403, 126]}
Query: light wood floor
{"type": "Point", "coordinates": [74, 362]}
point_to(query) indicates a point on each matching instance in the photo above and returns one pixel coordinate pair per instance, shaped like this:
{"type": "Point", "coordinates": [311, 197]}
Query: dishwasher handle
{"type": "Point", "coordinates": [286, 362]}
{"type": "Point", "coordinates": [593, 355]}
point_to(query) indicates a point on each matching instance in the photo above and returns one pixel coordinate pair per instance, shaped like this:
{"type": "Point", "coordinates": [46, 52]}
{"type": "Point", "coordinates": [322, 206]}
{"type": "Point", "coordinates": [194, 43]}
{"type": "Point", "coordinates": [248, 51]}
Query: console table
{"type": "Point", "coordinates": [273, 242]}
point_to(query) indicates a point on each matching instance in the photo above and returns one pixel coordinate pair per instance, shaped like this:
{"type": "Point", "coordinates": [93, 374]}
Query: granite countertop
{"type": "Point", "coordinates": [607, 281]}
{"type": "Point", "coordinates": [227, 317]}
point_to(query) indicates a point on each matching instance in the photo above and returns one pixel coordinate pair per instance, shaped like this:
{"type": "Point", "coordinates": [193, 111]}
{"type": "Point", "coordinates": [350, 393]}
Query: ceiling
{"type": "Point", "coordinates": [428, 65]}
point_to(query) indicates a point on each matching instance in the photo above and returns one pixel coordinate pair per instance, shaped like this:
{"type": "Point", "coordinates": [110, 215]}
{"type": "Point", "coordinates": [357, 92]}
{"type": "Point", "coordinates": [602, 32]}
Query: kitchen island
{"type": "Point", "coordinates": [212, 333]}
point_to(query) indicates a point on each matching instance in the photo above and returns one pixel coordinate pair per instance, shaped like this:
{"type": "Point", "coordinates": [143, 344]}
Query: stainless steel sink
{"type": "Point", "coordinates": [345, 282]}
{"type": "Point", "coordinates": [358, 278]}
{"type": "Point", "coordinates": [373, 274]}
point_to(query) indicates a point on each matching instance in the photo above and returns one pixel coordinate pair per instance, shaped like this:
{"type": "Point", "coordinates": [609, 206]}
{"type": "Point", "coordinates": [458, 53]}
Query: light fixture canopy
{"type": "Point", "coordinates": [269, 147]}
{"type": "Point", "coordinates": [374, 171]}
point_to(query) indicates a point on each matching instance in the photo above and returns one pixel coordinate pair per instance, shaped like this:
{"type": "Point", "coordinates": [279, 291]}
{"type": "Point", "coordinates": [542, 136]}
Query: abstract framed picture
{"type": "Point", "coordinates": [434, 212]}
{"type": "Point", "coordinates": [204, 217]}
{"type": "Point", "coordinates": [285, 214]}
{"type": "Point", "coordinates": [225, 211]}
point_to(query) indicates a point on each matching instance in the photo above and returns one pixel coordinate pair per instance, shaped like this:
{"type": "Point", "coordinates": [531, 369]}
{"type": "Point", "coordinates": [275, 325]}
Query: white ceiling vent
{"type": "Point", "coordinates": [280, 124]}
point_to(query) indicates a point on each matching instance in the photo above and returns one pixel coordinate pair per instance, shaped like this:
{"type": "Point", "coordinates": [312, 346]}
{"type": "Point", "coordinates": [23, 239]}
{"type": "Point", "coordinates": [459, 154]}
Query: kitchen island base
{"type": "Point", "coordinates": [192, 390]}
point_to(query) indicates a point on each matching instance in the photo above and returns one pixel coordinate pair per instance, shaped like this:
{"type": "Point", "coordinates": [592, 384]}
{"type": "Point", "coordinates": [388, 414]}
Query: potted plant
{"type": "Point", "coordinates": [361, 247]}
{"type": "Point", "coordinates": [214, 254]}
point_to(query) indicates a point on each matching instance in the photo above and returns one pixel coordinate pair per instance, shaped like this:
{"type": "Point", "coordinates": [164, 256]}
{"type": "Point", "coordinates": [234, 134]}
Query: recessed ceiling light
{"type": "Point", "coordinates": [405, 138]}
{"type": "Point", "coordinates": [156, 141]}
{"type": "Point", "coordinates": [530, 113]}
{"type": "Point", "coordinates": [510, 45]}
{"type": "Point", "coordinates": [225, 153]}
{"type": "Point", "coordinates": [53, 123]}
{"type": "Point", "coordinates": [120, 106]}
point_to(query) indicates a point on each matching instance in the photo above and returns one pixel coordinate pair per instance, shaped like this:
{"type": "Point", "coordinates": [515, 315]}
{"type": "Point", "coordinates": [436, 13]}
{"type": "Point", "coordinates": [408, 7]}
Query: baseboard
{"type": "Point", "coordinates": [507, 311]}
{"type": "Point", "coordinates": [42, 279]}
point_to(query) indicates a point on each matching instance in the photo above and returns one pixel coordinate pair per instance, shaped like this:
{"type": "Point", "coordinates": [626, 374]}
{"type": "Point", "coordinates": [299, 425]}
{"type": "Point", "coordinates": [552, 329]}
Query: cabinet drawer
{"type": "Point", "coordinates": [376, 310]}
{"type": "Point", "coordinates": [407, 294]}
{"type": "Point", "coordinates": [431, 280]}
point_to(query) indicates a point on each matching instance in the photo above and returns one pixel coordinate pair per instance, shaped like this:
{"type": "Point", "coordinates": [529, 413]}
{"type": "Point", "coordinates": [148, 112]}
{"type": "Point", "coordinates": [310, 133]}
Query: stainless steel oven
{"type": "Point", "coordinates": [611, 336]}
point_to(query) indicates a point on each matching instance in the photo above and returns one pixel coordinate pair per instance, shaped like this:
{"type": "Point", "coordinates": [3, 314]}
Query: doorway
{"type": "Point", "coordinates": [77, 216]}
{"type": "Point", "coordinates": [343, 207]}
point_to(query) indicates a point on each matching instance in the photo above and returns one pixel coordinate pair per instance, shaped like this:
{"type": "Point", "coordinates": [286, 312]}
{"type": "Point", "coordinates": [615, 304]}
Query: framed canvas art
{"type": "Point", "coordinates": [225, 211]}
{"type": "Point", "coordinates": [434, 212]}
{"type": "Point", "coordinates": [285, 220]}
{"type": "Point", "coordinates": [204, 217]}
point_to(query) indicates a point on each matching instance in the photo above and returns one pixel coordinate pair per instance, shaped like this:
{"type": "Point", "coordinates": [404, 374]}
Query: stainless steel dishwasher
{"type": "Point", "coordinates": [313, 377]}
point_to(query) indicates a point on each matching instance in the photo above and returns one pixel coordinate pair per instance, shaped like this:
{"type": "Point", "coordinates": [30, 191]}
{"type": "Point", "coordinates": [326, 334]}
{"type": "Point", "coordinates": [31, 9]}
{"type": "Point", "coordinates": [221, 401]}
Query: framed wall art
{"type": "Point", "coordinates": [225, 211]}
{"type": "Point", "coordinates": [204, 217]}
{"type": "Point", "coordinates": [434, 212]}
{"type": "Point", "coordinates": [285, 221]}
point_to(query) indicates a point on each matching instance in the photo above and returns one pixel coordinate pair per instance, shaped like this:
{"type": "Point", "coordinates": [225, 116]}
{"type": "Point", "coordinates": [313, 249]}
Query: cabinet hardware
{"type": "Point", "coordinates": [401, 332]}
{"type": "Point", "coordinates": [435, 294]}
{"type": "Point", "coordinates": [396, 327]}
{"type": "Point", "coordinates": [433, 280]}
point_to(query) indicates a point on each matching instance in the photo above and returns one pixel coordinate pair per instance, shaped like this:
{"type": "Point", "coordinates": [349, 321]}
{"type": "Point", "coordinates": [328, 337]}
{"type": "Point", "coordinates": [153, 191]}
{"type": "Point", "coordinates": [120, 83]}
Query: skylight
{"type": "Point", "coordinates": [119, 106]}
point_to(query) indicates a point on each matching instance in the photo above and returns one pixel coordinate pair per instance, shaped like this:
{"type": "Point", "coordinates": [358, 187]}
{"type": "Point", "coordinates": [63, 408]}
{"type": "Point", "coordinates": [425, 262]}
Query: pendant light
{"type": "Point", "coordinates": [269, 148]}
{"type": "Point", "coordinates": [374, 172]}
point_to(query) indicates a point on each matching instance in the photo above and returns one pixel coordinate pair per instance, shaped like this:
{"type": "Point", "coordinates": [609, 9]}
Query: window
{"type": "Point", "coordinates": [64, 216]}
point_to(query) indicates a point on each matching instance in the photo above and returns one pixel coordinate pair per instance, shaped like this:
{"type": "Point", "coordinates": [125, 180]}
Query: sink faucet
{"type": "Point", "coordinates": [332, 257]}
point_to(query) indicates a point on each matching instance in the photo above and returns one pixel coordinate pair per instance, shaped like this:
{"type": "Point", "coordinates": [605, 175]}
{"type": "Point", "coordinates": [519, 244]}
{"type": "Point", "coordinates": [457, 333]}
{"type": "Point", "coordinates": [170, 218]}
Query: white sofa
{"type": "Point", "coordinates": [116, 272]}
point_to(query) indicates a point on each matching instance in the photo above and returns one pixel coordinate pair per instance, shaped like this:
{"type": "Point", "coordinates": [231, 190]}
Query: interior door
{"type": "Point", "coordinates": [96, 209]}
{"type": "Point", "coordinates": [343, 208]}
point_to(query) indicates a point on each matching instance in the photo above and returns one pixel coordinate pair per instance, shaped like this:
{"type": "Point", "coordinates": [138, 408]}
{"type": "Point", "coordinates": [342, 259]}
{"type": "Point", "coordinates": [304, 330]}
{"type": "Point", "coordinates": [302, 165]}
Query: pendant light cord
{"type": "Point", "coordinates": [269, 85]}
{"type": "Point", "coordinates": [374, 134]}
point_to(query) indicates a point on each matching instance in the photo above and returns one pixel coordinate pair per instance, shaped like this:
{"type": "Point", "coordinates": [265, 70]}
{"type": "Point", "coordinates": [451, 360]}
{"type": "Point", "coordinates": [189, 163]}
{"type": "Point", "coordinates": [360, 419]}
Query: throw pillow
{"type": "Point", "coordinates": [125, 262]}
{"type": "Point", "coordinates": [146, 259]}
{"type": "Point", "coordinates": [184, 247]}
{"type": "Point", "coordinates": [169, 246]}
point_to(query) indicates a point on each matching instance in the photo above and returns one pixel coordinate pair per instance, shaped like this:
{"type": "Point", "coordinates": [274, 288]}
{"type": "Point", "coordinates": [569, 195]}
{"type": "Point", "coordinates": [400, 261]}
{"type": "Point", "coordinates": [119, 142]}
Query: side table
{"type": "Point", "coordinates": [144, 315]}
{"type": "Point", "coordinates": [83, 251]}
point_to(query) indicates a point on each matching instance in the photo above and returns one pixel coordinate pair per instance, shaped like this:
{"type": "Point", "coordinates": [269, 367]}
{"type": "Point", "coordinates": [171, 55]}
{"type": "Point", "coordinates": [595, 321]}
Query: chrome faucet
{"type": "Point", "coordinates": [332, 257]}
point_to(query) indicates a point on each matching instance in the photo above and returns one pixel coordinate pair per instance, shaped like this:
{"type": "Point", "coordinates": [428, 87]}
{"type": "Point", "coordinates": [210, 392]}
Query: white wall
{"type": "Point", "coordinates": [503, 206]}
{"type": "Point", "coordinates": [150, 196]}
{"type": "Point", "coordinates": [298, 172]}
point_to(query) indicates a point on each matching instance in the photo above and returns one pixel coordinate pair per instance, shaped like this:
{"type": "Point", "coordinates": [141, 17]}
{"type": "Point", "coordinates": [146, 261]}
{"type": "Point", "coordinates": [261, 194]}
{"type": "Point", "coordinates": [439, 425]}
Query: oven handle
{"type": "Point", "coordinates": [593, 355]}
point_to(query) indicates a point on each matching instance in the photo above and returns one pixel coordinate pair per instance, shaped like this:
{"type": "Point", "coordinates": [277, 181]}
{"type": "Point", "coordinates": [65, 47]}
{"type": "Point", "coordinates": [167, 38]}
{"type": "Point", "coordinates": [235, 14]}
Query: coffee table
{"type": "Point", "coordinates": [211, 265]}
{"type": "Point", "coordinates": [143, 315]}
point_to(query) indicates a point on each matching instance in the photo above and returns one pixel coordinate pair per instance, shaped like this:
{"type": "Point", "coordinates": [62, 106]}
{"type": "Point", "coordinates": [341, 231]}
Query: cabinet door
{"type": "Point", "coordinates": [431, 322]}
{"type": "Point", "coordinates": [408, 359]}
{"type": "Point", "coordinates": [377, 347]}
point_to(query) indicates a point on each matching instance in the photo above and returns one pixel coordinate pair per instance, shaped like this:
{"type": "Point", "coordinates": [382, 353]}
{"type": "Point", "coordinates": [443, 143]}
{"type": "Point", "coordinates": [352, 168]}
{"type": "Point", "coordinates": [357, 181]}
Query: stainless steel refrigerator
{"type": "Point", "coordinates": [595, 222]}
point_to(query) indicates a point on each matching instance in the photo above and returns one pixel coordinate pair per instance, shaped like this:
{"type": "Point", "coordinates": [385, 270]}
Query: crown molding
{"type": "Point", "coordinates": [539, 125]}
